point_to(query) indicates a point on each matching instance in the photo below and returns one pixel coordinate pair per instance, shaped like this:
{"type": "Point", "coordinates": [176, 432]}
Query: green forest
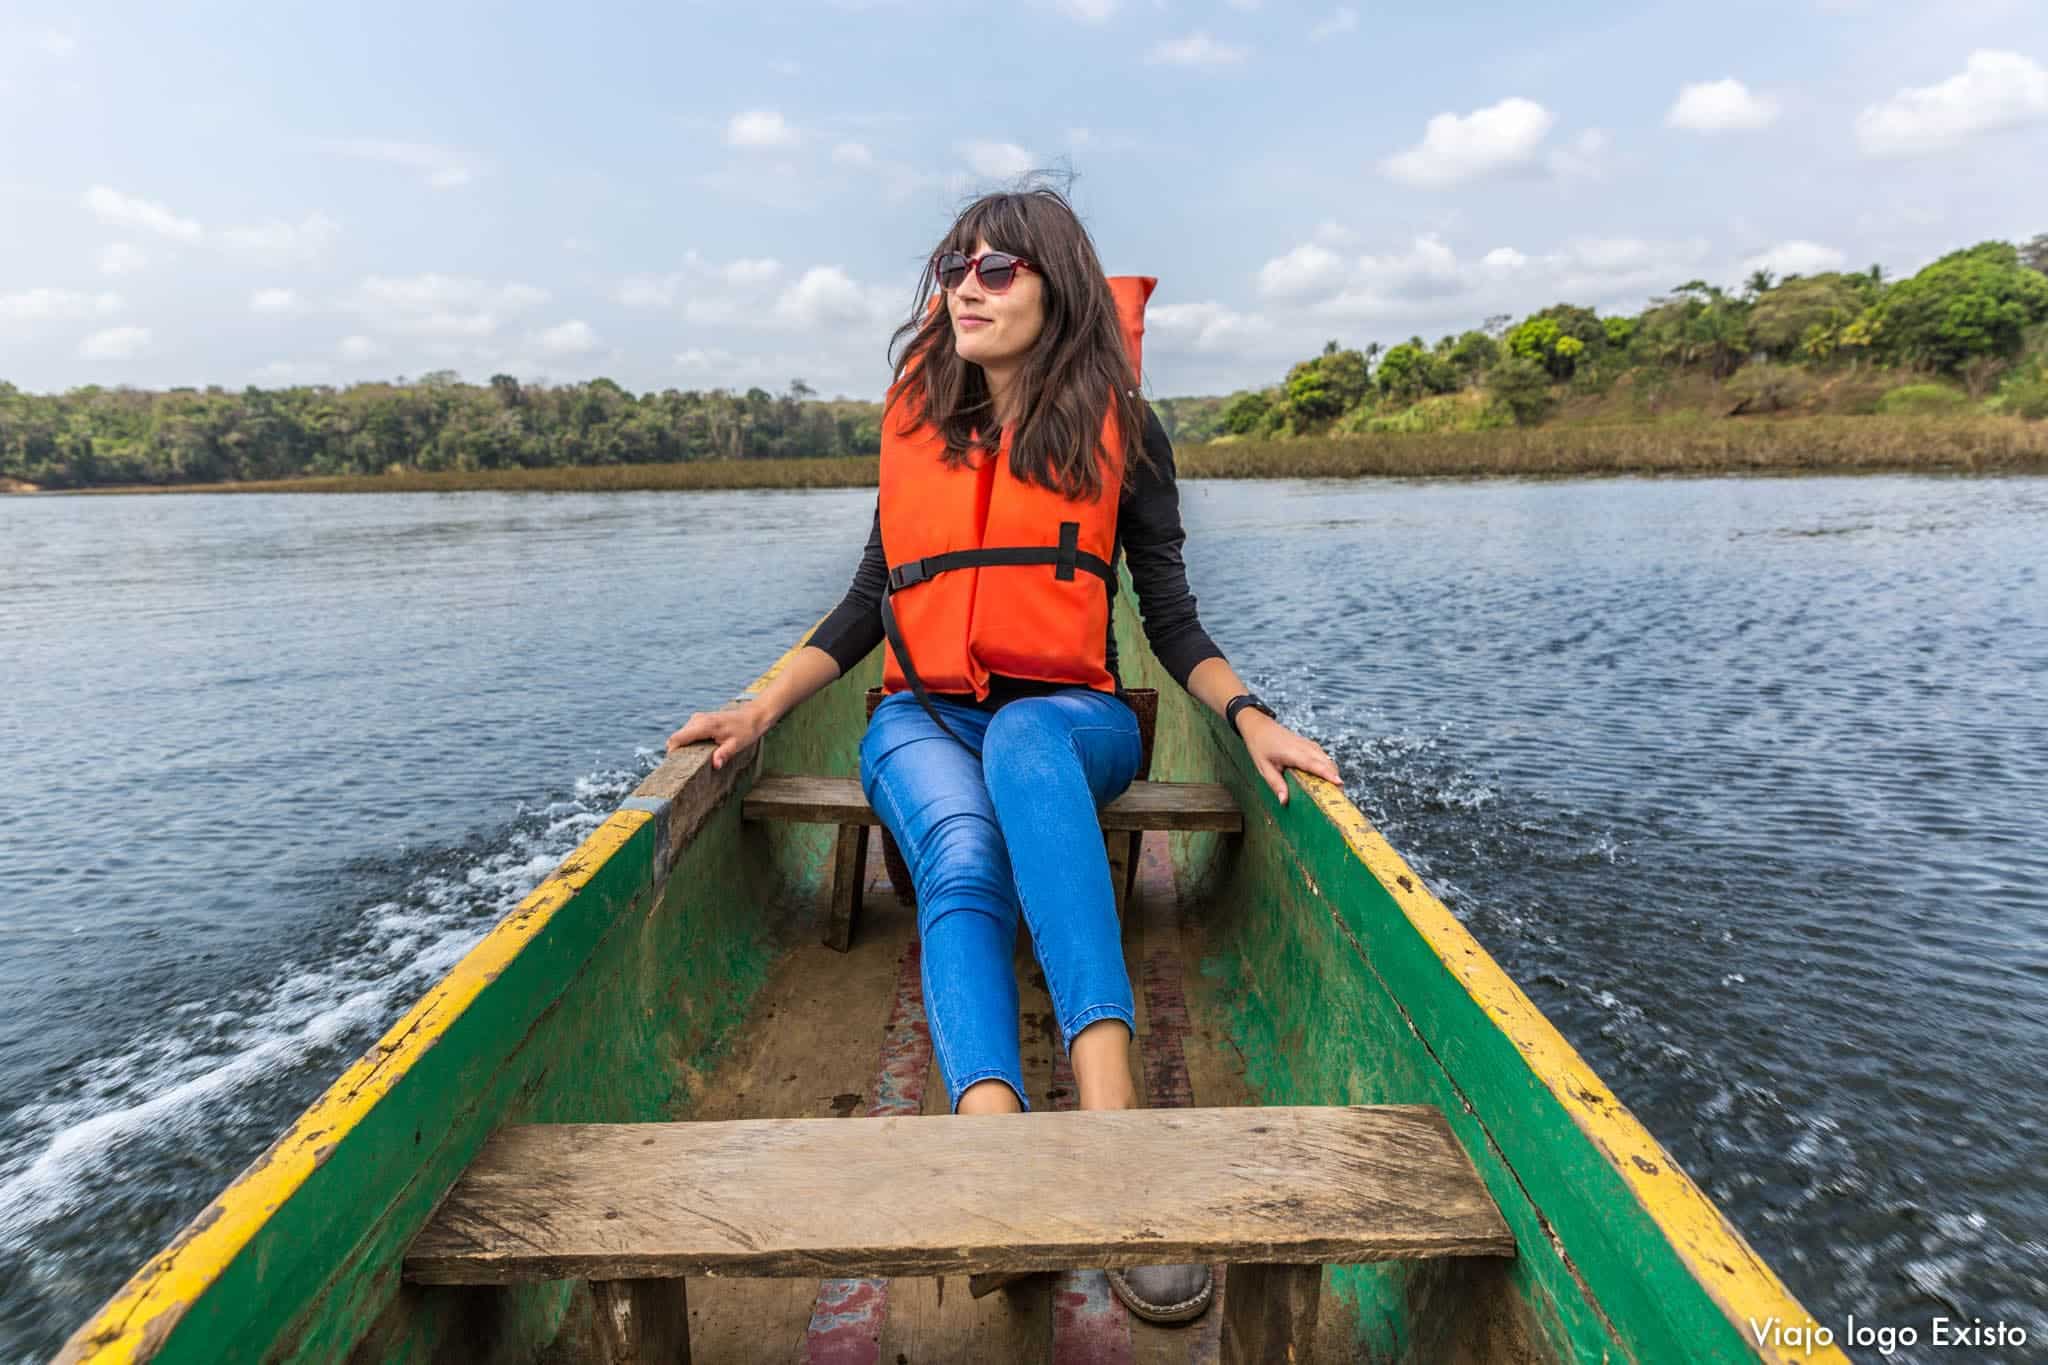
{"type": "Point", "coordinates": [1966, 335]}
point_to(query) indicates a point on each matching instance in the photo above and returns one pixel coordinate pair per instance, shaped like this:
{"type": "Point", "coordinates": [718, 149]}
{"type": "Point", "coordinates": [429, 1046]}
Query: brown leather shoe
{"type": "Point", "coordinates": [1165, 1294]}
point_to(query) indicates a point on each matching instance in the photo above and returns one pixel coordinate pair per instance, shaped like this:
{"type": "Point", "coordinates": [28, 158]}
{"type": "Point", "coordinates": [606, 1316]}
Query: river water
{"type": "Point", "coordinates": [1744, 780]}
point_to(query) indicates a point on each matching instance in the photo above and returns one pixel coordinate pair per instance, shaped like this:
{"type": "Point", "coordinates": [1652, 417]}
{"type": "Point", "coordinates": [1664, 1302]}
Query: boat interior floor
{"type": "Point", "coordinates": [842, 1034]}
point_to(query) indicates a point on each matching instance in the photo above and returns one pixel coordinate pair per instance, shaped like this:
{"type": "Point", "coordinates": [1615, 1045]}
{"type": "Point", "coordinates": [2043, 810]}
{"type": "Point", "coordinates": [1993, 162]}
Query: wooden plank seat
{"type": "Point", "coordinates": [1144, 805]}
{"type": "Point", "coordinates": [840, 801]}
{"type": "Point", "coordinates": [1276, 1192]}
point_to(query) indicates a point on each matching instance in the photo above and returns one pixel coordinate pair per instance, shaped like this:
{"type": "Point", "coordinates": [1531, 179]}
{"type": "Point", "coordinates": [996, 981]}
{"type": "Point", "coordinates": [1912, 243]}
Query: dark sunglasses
{"type": "Point", "coordinates": [996, 270]}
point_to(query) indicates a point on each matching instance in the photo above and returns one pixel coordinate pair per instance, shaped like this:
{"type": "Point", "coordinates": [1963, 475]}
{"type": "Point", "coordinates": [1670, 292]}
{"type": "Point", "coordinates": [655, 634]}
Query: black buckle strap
{"type": "Point", "coordinates": [1066, 558]}
{"type": "Point", "coordinates": [1070, 546]}
{"type": "Point", "coordinates": [904, 575]}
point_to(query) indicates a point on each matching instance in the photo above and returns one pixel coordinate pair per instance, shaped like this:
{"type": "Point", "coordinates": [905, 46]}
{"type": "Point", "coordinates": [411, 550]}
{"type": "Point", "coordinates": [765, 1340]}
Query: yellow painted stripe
{"type": "Point", "coordinates": [137, 1319]}
{"type": "Point", "coordinates": [1746, 1288]}
{"type": "Point", "coordinates": [135, 1322]}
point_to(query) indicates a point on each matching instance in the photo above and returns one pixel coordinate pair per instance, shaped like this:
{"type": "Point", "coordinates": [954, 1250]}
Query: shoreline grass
{"type": "Point", "coordinates": [1778, 446]}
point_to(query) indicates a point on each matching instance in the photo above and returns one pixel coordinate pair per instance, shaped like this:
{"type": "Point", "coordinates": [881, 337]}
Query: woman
{"type": "Point", "coordinates": [990, 781]}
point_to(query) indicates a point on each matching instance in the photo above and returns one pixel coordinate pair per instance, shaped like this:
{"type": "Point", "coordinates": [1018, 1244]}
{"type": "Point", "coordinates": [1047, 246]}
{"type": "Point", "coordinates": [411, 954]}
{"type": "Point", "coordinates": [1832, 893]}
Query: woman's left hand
{"type": "Point", "coordinates": [1273, 747]}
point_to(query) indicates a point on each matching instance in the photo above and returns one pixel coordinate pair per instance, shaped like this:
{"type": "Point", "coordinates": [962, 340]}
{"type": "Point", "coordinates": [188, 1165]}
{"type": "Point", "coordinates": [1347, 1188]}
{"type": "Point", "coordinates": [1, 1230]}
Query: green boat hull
{"type": "Point", "coordinates": [613, 992]}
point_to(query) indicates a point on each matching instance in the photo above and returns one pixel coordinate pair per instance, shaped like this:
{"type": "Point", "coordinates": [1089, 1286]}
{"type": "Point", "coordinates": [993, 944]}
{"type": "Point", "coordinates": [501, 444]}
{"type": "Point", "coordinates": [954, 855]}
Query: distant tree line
{"type": "Point", "coordinates": [98, 435]}
{"type": "Point", "coordinates": [1976, 317]}
{"type": "Point", "coordinates": [1976, 320]}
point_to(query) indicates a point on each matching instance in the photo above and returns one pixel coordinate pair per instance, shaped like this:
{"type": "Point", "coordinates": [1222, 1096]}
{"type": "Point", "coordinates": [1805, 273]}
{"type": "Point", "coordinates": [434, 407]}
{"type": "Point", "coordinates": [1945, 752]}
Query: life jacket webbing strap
{"type": "Point", "coordinates": [895, 635]}
{"type": "Point", "coordinates": [1066, 557]}
{"type": "Point", "coordinates": [1070, 549]}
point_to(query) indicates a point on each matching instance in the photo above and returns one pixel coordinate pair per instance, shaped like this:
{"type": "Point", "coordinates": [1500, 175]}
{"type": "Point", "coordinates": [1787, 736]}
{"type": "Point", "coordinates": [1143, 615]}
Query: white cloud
{"type": "Point", "coordinates": [273, 301]}
{"type": "Point", "coordinates": [119, 258]}
{"type": "Point", "coordinates": [852, 154]}
{"type": "Point", "coordinates": [748, 272]}
{"type": "Point", "coordinates": [1330, 232]}
{"type": "Point", "coordinates": [760, 128]}
{"type": "Point", "coordinates": [55, 43]}
{"type": "Point", "coordinates": [1720, 107]}
{"type": "Point", "coordinates": [1796, 258]}
{"type": "Point", "coordinates": [1207, 326]}
{"type": "Point", "coordinates": [1307, 270]}
{"type": "Point", "coordinates": [1455, 148]}
{"type": "Point", "coordinates": [826, 295]}
{"type": "Point", "coordinates": [357, 348]}
{"type": "Point", "coordinates": [114, 343]}
{"type": "Point", "coordinates": [649, 291]}
{"type": "Point", "coordinates": [1197, 49]}
{"type": "Point", "coordinates": [1579, 159]}
{"type": "Point", "coordinates": [421, 293]}
{"type": "Point", "coordinates": [1607, 269]}
{"type": "Point", "coordinates": [782, 66]}
{"type": "Point", "coordinates": [445, 323]}
{"type": "Point", "coordinates": [1343, 19]}
{"type": "Point", "coordinates": [443, 168]}
{"type": "Point", "coordinates": [434, 305]}
{"type": "Point", "coordinates": [996, 160]}
{"type": "Point", "coordinates": [568, 338]}
{"type": "Point", "coordinates": [277, 239]}
{"type": "Point", "coordinates": [130, 211]}
{"type": "Point", "coordinates": [57, 305]}
{"type": "Point", "coordinates": [1427, 270]}
{"type": "Point", "coordinates": [1430, 281]}
{"type": "Point", "coordinates": [704, 283]}
{"type": "Point", "coordinates": [1993, 91]}
{"type": "Point", "coordinates": [1088, 11]}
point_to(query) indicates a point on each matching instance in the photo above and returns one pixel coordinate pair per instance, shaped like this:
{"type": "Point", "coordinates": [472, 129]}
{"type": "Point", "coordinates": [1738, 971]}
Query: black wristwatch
{"type": "Point", "coordinates": [1239, 702]}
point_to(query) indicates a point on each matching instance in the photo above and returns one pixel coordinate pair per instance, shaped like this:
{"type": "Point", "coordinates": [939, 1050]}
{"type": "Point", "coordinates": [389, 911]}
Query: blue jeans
{"type": "Point", "coordinates": [1010, 829]}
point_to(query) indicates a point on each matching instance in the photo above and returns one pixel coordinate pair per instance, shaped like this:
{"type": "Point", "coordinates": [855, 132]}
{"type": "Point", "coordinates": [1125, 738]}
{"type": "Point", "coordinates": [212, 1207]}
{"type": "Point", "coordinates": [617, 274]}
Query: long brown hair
{"type": "Point", "coordinates": [1074, 372]}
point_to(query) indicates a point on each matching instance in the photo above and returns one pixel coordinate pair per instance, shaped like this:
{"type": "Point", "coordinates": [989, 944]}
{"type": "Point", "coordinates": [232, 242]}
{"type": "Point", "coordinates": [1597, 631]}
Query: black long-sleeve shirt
{"type": "Point", "coordinates": [1148, 532]}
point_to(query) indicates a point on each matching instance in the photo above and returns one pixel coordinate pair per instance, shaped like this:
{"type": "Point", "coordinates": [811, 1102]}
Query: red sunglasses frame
{"type": "Point", "coordinates": [974, 265]}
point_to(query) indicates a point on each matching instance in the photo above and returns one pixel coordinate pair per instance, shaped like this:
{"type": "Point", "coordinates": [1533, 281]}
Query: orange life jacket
{"type": "Point", "coordinates": [993, 574]}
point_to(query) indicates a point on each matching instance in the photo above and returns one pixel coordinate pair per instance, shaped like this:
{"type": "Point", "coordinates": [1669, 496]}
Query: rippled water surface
{"type": "Point", "coordinates": [1745, 781]}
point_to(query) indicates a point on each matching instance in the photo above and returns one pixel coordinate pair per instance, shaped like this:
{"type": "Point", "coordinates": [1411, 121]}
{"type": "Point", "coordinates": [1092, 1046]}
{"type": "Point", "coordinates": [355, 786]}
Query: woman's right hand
{"type": "Point", "coordinates": [734, 728]}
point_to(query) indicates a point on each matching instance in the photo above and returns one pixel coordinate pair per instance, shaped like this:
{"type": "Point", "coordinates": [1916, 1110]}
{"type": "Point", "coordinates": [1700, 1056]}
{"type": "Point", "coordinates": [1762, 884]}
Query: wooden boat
{"type": "Point", "coordinates": [670, 969]}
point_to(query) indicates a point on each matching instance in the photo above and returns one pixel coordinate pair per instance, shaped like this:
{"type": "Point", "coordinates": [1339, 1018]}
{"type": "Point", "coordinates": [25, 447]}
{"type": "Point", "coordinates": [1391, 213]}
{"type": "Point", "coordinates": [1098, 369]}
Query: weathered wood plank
{"type": "Point", "coordinates": [1141, 806]}
{"type": "Point", "coordinates": [1270, 1315]}
{"type": "Point", "coordinates": [849, 878]}
{"type": "Point", "coordinates": [1115, 1188]}
{"type": "Point", "coordinates": [642, 1322]}
{"type": "Point", "coordinates": [1175, 806]}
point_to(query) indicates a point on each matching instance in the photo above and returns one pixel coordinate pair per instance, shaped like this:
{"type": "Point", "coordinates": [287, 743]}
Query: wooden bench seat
{"type": "Point", "coordinates": [840, 801]}
{"type": "Point", "coordinates": [1277, 1192]}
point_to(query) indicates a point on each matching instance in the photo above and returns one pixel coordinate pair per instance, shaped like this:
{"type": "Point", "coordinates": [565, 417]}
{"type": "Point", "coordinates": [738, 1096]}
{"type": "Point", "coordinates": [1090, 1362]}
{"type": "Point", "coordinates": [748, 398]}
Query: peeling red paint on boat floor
{"type": "Point", "coordinates": [847, 1318]}
{"type": "Point", "coordinates": [1089, 1326]}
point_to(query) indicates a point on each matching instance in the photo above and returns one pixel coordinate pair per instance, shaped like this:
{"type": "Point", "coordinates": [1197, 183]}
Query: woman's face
{"type": "Point", "coordinates": [996, 329]}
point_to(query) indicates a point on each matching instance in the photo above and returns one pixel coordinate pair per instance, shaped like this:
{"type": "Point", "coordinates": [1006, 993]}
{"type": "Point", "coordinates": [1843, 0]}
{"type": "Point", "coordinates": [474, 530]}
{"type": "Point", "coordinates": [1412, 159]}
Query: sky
{"type": "Point", "coordinates": [701, 194]}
